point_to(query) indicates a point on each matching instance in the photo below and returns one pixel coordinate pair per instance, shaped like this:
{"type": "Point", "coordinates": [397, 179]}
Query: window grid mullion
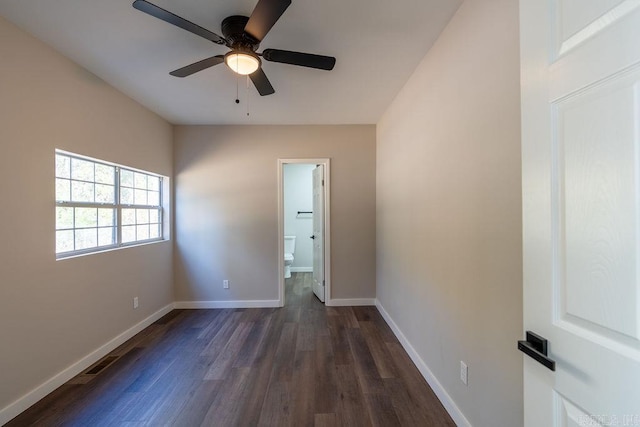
{"type": "Point", "coordinates": [140, 206]}
{"type": "Point", "coordinates": [62, 204]}
{"type": "Point", "coordinates": [118, 228]}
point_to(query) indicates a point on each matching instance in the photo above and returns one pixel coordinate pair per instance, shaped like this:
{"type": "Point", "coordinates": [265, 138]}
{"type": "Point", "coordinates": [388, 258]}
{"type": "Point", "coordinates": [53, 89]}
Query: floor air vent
{"type": "Point", "coordinates": [101, 365]}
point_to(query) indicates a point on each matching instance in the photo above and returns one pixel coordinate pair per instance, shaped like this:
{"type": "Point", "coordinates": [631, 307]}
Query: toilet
{"type": "Point", "coordinates": [289, 249]}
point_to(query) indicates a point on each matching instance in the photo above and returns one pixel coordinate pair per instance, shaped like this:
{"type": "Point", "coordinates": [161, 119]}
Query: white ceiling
{"type": "Point", "coordinates": [377, 43]}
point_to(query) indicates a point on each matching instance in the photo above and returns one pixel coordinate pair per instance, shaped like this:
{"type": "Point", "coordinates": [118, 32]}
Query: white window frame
{"type": "Point", "coordinates": [117, 206]}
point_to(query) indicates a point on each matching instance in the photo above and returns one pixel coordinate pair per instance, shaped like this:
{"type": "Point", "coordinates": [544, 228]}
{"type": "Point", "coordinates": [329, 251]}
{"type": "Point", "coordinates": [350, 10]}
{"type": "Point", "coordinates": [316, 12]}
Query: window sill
{"type": "Point", "coordinates": [63, 257]}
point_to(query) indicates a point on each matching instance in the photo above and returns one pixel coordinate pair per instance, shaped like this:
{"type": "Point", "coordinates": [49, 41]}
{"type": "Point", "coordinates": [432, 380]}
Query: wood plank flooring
{"type": "Point", "coordinates": [301, 365]}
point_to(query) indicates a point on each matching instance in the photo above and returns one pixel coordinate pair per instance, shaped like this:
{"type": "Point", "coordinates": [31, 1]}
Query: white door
{"type": "Point", "coordinates": [581, 209]}
{"type": "Point", "coordinates": [318, 232]}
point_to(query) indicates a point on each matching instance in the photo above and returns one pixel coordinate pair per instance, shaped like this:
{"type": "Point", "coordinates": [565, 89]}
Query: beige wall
{"type": "Point", "coordinates": [227, 208]}
{"type": "Point", "coordinates": [52, 313]}
{"type": "Point", "coordinates": [449, 269]}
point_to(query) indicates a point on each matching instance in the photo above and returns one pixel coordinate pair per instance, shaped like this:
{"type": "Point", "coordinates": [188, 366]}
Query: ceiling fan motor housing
{"type": "Point", "coordinates": [233, 31]}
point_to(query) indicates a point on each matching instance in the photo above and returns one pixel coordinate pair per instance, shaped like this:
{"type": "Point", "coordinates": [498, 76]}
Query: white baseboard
{"type": "Point", "coordinates": [345, 302]}
{"type": "Point", "coordinates": [23, 403]}
{"type": "Point", "coordinates": [226, 304]}
{"type": "Point", "coordinates": [302, 269]}
{"type": "Point", "coordinates": [443, 396]}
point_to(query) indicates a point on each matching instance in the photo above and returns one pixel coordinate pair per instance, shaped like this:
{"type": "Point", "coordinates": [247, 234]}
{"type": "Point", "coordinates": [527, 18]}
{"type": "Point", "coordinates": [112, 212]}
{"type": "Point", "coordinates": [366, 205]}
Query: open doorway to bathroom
{"type": "Point", "coordinates": [303, 223]}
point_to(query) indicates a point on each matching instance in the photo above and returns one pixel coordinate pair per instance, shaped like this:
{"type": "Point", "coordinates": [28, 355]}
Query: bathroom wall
{"type": "Point", "coordinates": [449, 212]}
{"type": "Point", "coordinates": [298, 196]}
{"type": "Point", "coordinates": [226, 197]}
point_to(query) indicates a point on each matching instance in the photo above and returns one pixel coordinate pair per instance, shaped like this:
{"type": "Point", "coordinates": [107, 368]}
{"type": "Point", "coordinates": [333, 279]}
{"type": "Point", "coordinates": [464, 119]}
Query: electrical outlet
{"type": "Point", "coordinates": [464, 372]}
{"type": "Point", "coordinates": [225, 284]}
{"type": "Point", "coordinates": [135, 302]}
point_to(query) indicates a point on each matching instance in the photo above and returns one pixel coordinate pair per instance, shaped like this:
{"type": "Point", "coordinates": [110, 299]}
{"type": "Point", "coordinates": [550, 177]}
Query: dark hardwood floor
{"type": "Point", "coordinates": [302, 365]}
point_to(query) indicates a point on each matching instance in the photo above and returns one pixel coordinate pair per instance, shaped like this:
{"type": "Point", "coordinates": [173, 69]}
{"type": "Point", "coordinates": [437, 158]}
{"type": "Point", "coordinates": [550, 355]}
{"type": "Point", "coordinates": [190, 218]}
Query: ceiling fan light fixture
{"type": "Point", "coordinates": [243, 63]}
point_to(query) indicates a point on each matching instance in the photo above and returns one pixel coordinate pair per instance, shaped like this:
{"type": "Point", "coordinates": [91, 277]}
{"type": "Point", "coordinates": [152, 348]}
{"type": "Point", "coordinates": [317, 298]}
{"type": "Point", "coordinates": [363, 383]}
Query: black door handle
{"type": "Point", "coordinates": [536, 347]}
{"type": "Point", "coordinates": [312, 237]}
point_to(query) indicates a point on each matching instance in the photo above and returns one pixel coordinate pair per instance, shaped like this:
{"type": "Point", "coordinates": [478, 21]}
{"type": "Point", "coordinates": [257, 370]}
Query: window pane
{"type": "Point", "coordinates": [126, 178]}
{"type": "Point", "coordinates": [64, 218]}
{"type": "Point", "coordinates": [63, 190]}
{"type": "Point", "coordinates": [82, 170]}
{"type": "Point", "coordinates": [105, 174]}
{"type": "Point", "coordinates": [142, 216]}
{"type": "Point", "coordinates": [140, 197]}
{"type": "Point", "coordinates": [64, 241]}
{"type": "Point", "coordinates": [106, 236]}
{"type": "Point", "coordinates": [154, 231]}
{"type": "Point", "coordinates": [63, 166]}
{"type": "Point", "coordinates": [106, 217]}
{"type": "Point", "coordinates": [143, 232]}
{"type": "Point", "coordinates": [105, 193]}
{"type": "Point", "coordinates": [154, 215]}
{"type": "Point", "coordinates": [126, 196]}
{"type": "Point", "coordinates": [140, 180]}
{"type": "Point", "coordinates": [86, 217]}
{"type": "Point", "coordinates": [128, 216]}
{"type": "Point", "coordinates": [86, 239]}
{"type": "Point", "coordinates": [153, 198]}
{"type": "Point", "coordinates": [153, 183]}
{"type": "Point", "coordinates": [81, 191]}
{"type": "Point", "coordinates": [128, 233]}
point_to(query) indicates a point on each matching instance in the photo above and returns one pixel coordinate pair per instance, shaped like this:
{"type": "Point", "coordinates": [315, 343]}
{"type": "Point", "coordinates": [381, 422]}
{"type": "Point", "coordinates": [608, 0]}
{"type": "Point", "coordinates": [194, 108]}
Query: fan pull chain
{"type": "Point", "coordinates": [247, 96]}
{"type": "Point", "coordinates": [237, 84]}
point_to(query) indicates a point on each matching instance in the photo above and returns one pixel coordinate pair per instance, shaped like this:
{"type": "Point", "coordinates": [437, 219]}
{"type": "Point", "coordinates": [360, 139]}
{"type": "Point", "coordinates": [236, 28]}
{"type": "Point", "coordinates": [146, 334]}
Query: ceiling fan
{"type": "Point", "coordinates": [243, 36]}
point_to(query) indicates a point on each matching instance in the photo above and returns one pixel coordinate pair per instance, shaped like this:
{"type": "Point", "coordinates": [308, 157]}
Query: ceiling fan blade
{"type": "Point", "coordinates": [261, 82]}
{"type": "Point", "coordinates": [171, 18]}
{"type": "Point", "coordinates": [265, 14]}
{"type": "Point", "coordinates": [298, 58]}
{"type": "Point", "coordinates": [198, 66]}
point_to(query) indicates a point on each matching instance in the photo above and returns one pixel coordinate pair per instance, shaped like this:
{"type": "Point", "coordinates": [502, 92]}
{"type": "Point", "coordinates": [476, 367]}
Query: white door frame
{"type": "Point", "coordinates": [327, 224]}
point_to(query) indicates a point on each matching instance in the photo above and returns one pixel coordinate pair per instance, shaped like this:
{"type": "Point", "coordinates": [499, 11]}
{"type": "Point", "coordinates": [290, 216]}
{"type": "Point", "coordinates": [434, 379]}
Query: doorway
{"type": "Point", "coordinates": [311, 222]}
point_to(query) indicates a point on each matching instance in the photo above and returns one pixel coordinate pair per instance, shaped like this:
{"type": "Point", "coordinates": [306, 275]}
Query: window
{"type": "Point", "coordinates": [101, 205]}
